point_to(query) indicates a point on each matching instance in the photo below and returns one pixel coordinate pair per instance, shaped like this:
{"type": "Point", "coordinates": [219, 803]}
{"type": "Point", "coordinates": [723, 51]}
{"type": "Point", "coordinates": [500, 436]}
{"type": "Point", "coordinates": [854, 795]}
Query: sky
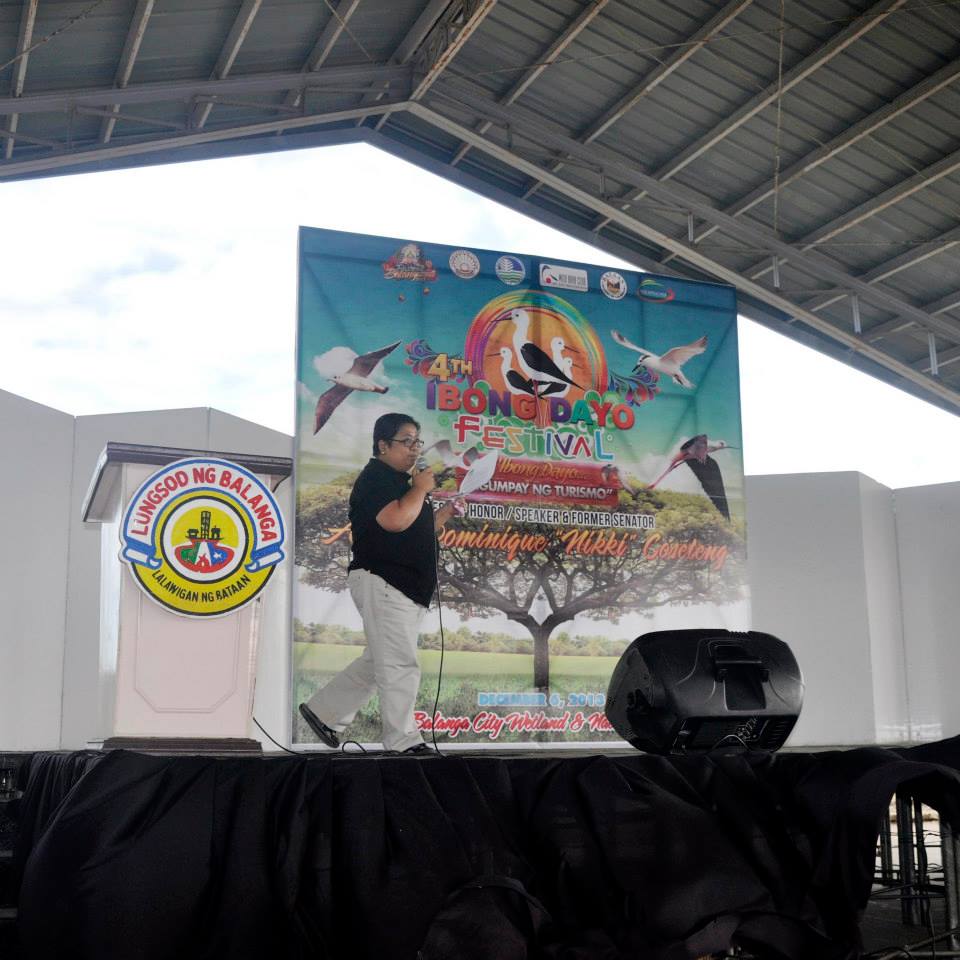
{"type": "Point", "coordinates": [175, 286]}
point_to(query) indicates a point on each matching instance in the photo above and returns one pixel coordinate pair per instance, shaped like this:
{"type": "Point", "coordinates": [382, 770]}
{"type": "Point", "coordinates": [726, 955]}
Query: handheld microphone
{"type": "Point", "coordinates": [421, 465]}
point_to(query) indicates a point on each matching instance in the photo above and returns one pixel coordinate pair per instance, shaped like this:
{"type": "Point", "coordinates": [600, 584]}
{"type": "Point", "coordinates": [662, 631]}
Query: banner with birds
{"type": "Point", "coordinates": [585, 418]}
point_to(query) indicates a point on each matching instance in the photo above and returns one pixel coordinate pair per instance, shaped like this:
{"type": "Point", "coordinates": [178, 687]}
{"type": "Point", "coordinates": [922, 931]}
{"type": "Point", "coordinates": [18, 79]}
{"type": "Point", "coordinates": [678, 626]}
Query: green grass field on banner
{"type": "Point", "coordinates": [331, 658]}
{"type": "Point", "coordinates": [465, 675]}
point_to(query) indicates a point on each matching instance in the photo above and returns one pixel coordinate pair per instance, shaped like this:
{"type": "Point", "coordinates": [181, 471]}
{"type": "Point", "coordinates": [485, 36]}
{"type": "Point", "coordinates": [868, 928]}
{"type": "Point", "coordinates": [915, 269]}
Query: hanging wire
{"type": "Point", "coordinates": [739, 35]}
{"type": "Point", "coordinates": [758, 85]}
{"type": "Point", "coordinates": [277, 743]}
{"type": "Point", "coordinates": [349, 32]}
{"type": "Point", "coordinates": [66, 25]}
{"type": "Point", "coordinates": [776, 141]}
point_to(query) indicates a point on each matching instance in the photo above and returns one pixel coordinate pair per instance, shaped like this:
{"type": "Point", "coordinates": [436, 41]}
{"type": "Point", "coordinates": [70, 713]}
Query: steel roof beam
{"type": "Point", "coordinates": [37, 141]}
{"type": "Point", "coordinates": [680, 55]}
{"type": "Point", "coordinates": [852, 135]}
{"type": "Point", "coordinates": [339, 18]}
{"type": "Point", "coordinates": [28, 17]}
{"type": "Point", "coordinates": [882, 330]}
{"type": "Point", "coordinates": [128, 56]}
{"type": "Point", "coordinates": [655, 77]}
{"type": "Point", "coordinates": [823, 54]}
{"type": "Point", "coordinates": [529, 124]}
{"type": "Point", "coordinates": [429, 58]}
{"type": "Point", "coordinates": [181, 90]}
{"type": "Point", "coordinates": [795, 75]}
{"type": "Point", "coordinates": [944, 167]}
{"type": "Point", "coordinates": [228, 54]}
{"type": "Point", "coordinates": [949, 302]}
{"type": "Point", "coordinates": [450, 33]}
{"type": "Point", "coordinates": [408, 46]}
{"type": "Point", "coordinates": [419, 32]}
{"type": "Point", "coordinates": [937, 245]}
{"type": "Point", "coordinates": [928, 317]}
{"type": "Point", "coordinates": [917, 254]}
{"type": "Point", "coordinates": [818, 265]}
{"type": "Point", "coordinates": [129, 118]}
{"type": "Point", "coordinates": [689, 254]}
{"type": "Point", "coordinates": [935, 308]}
{"type": "Point", "coordinates": [573, 30]}
{"type": "Point", "coordinates": [97, 154]}
{"type": "Point", "coordinates": [943, 359]}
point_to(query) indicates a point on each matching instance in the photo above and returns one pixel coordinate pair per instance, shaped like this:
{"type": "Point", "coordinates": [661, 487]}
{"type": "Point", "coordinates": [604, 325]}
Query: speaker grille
{"type": "Point", "coordinates": [705, 733]}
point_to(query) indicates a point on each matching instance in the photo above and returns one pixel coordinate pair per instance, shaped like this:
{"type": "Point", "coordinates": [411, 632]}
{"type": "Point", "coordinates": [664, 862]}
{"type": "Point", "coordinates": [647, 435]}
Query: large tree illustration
{"type": "Point", "coordinates": [482, 582]}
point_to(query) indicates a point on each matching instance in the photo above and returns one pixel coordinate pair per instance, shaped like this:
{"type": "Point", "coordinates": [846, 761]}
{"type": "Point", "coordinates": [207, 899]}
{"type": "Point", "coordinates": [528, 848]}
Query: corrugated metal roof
{"type": "Point", "coordinates": [697, 137]}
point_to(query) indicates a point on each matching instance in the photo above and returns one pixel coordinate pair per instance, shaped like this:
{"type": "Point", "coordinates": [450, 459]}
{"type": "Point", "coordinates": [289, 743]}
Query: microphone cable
{"type": "Point", "coordinates": [296, 753]}
{"type": "Point", "coordinates": [308, 753]}
{"type": "Point", "coordinates": [436, 701]}
{"type": "Point", "coordinates": [422, 465]}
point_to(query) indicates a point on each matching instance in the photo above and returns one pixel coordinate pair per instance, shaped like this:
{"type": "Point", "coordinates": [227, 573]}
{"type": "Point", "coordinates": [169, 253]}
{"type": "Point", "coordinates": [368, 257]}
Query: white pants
{"type": "Point", "coordinates": [388, 665]}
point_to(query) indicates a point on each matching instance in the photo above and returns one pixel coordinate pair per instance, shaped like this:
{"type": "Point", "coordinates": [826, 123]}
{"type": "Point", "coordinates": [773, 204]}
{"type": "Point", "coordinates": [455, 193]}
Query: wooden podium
{"type": "Point", "coordinates": [169, 681]}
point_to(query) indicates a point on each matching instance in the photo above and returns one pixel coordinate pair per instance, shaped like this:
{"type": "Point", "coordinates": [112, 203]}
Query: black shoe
{"type": "Point", "coordinates": [420, 750]}
{"type": "Point", "coordinates": [323, 732]}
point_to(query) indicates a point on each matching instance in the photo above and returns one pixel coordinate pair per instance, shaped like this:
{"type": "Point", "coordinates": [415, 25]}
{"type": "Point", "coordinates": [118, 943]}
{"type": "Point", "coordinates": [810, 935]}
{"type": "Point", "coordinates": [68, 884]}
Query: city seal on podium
{"type": "Point", "coordinates": [202, 537]}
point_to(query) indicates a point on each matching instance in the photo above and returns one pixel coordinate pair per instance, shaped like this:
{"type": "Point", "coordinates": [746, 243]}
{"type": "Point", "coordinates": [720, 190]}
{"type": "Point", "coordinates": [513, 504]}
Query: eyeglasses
{"type": "Point", "coordinates": [411, 443]}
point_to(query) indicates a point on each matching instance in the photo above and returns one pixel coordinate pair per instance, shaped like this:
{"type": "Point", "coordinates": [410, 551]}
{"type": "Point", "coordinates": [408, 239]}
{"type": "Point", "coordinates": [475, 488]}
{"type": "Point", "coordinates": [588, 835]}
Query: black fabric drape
{"type": "Point", "coordinates": [50, 778]}
{"type": "Point", "coordinates": [462, 857]}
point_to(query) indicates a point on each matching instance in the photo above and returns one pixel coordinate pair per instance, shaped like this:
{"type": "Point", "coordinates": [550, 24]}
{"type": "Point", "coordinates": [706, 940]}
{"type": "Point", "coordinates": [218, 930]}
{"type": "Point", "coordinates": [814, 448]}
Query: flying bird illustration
{"type": "Point", "coordinates": [449, 457]}
{"type": "Point", "coordinates": [479, 473]}
{"type": "Point", "coordinates": [670, 363]}
{"type": "Point", "coordinates": [695, 453]}
{"type": "Point", "coordinates": [536, 364]}
{"type": "Point", "coordinates": [479, 467]}
{"type": "Point", "coordinates": [357, 377]}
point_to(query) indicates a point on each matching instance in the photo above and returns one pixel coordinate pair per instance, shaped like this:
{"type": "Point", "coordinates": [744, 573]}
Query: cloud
{"type": "Point", "coordinates": [158, 270]}
{"type": "Point", "coordinates": [152, 288]}
{"type": "Point", "coordinates": [305, 393]}
{"type": "Point", "coordinates": [335, 360]}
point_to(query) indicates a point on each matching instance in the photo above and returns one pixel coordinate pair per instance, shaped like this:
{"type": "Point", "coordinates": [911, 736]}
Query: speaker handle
{"type": "Point", "coordinates": [733, 655]}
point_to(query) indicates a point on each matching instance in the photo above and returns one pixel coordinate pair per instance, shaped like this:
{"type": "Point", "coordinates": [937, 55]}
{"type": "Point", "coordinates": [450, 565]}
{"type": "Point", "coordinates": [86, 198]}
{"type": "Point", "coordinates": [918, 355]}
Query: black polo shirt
{"type": "Point", "coordinates": [406, 560]}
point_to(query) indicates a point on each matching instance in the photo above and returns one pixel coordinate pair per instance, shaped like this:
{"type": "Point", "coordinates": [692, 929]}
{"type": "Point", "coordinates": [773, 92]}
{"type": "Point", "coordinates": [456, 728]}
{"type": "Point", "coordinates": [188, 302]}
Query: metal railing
{"type": "Point", "coordinates": [913, 837]}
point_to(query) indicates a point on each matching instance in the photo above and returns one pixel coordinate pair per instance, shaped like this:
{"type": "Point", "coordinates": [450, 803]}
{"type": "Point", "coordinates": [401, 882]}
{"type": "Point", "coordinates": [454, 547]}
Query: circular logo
{"type": "Point", "coordinates": [464, 264]}
{"type": "Point", "coordinates": [654, 291]}
{"type": "Point", "coordinates": [510, 270]}
{"type": "Point", "coordinates": [554, 327]}
{"type": "Point", "coordinates": [202, 537]}
{"type": "Point", "coordinates": [613, 285]}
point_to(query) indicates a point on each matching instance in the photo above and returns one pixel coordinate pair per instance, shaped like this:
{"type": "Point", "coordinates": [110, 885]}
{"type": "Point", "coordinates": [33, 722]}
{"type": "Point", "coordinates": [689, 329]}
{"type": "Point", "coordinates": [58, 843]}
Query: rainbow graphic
{"type": "Point", "coordinates": [490, 343]}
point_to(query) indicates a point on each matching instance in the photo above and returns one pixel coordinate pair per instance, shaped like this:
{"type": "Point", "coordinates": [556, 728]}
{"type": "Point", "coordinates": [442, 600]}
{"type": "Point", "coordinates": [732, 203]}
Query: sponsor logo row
{"type": "Point", "coordinates": [409, 263]}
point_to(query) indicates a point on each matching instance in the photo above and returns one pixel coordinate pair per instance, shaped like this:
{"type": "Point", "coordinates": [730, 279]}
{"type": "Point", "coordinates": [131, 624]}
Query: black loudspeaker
{"type": "Point", "coordinates": [682, 691]}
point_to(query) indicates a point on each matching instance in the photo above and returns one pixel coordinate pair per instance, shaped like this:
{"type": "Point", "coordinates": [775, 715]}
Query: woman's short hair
{"type": "Point", "coordinates": [387, 426]}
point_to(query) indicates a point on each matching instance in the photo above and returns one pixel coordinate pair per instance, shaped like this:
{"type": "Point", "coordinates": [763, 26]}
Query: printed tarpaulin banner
{"type": "Point", "coordinates": [591, 419]}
